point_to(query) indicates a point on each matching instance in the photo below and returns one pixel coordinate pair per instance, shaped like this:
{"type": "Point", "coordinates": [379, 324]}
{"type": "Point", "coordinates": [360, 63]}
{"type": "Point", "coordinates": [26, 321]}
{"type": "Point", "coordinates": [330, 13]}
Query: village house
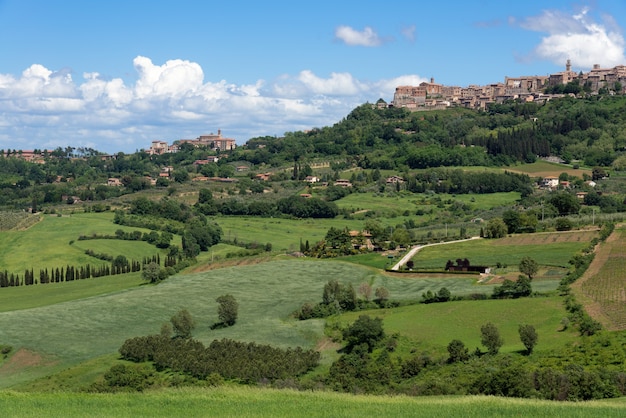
{"type": "Point", "coordinates": [361, 240]}
{"type": "Point", "coordinates": [549, 182]}
{"type": "Point", "coordinates": [312, 179]}
{"type": "Point", "coordinates": [114, 182]}
{"type": "Point", "coordinates": [343, 183]}
{"type": "Point", "coordinates": [394, 180]}
{"type": "Point", "coordinates": [263, 176]}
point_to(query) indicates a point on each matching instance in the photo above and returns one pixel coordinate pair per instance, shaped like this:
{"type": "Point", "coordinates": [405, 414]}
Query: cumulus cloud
{"type": "Point", "coordinates": [353, 37]}
{"type": "Point", "coordinates": [576, 36]}
{"type": "Point", "coordinates": [43, 108]}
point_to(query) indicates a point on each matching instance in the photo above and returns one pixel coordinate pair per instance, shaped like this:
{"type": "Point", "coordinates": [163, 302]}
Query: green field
{"type": "Point", "coordinates": [73, 331]}
{"type": "Point", "coordinates": [431, 327]}
{"type": "Point", "coordinates": [54, 243]}
{"type": "Point", "coordinates": [541, 247]}
{"type": "Point", "coordinates": [411, 202]}
{"type": "Point", "coordinates": [255, 402]}
{"type": "Point", "coordinates": [283, 234]}
{"type": "Point", "coordinates": [544, 168]}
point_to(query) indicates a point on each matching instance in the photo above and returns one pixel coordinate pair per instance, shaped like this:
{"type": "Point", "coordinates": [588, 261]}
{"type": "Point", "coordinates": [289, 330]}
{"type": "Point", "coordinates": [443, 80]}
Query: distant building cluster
{"type": "Point", "coordinates": [211, 140]}
{"type": "Point", "coordinates": [432, 96]}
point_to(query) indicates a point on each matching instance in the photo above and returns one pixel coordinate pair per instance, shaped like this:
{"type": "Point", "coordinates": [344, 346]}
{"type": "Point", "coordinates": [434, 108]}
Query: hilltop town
{"type": "Point", "coordinates": [431, 96]}
{"type": "Point", "coordinates": [212, 141]}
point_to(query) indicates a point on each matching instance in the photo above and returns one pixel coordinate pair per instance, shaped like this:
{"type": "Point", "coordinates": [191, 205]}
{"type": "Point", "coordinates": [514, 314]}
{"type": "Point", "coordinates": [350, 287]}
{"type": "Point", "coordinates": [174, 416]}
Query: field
{"type": "Point", "coordinates": [411, 202]}
{"type": "Point", "coordinates": [59, 335]}
{"type": "Point", "coordinates": [53, 242]}
{"type": "Point", "coordinates": [431, 327]}
{"type": "Point", "coordinates": [548, 249]}
{"type": "Point", "coordinates": [603, 286]}
{"type": "Point", "coordinates": [255, 402]}
{"type": "Point", "coordinates": [546, 169]}
{"type": "Point", "coordinates": [283, 234]}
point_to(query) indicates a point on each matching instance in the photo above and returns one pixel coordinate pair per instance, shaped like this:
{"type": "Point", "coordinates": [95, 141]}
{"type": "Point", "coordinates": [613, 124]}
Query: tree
{"type": "Point", "coordinates": [528, 335]}
{"type": "Point", "coordinates": [365, 290]}
{"type": "Point", "coordinates": [227, 310]}
{"type": "Point", "coordinates": [563, 224]}
{"type": "Point", "coordinates": [565, 203]}
{"type": "Point", "coordinates": [364, 330]}
{"type": "Point", "coordinates": [512, 220]}
{"type": "Point", "coordinates": [495, 228]}
{"type": "Point", "coordinates": [490, 338]}
{"type": "Point", "coordinates": [458, 352]}
{"type": "Point", "coordinates": [382, 294]}
{"type": "Point", "coordinates": [151, 272]}
{"type": "Point", "coordinates": [401, 236]}
{"type": "Point", "coordinates": [528, 266]}
{"type": "Point", "coordinates": [183, 324]}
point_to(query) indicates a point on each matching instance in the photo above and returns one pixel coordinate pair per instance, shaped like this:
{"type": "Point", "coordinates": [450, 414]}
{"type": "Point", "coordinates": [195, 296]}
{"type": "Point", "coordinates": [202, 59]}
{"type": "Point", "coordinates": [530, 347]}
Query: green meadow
{"type": "Point", "coordinates": [283, 234]}
{"type": "Point", "coordinates": [411, 202]}
{"type": "Point", "coordinates": [73, 331]}
{"type": "Point", "coordinates": [53, 243]}
{"type": "Point", "coordinates": [491, 252]}
{"type": "Point", "coordinates": [430, 327]}
{"type": "Point", "coordinates": [227, 401]}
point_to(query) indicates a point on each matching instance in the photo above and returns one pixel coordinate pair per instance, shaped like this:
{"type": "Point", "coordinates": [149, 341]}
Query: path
{"type": "Point", "coordinates": [416, 248]}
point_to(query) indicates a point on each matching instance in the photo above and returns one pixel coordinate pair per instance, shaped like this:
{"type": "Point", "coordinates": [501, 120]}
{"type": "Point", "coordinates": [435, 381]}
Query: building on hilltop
{"type": "Point", "coordinates": [211, 140]}
{"type": "Point", "coordinates": [563, 77]}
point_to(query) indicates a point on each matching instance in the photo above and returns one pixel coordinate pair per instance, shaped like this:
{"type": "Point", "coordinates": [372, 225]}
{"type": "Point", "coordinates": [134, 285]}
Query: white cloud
{"type": "Point", "coordinates": [352, 37]}
{"type": "Point", "coordinates": [43, 108]}
{"type": "Point", "coordinates": [576, 36]}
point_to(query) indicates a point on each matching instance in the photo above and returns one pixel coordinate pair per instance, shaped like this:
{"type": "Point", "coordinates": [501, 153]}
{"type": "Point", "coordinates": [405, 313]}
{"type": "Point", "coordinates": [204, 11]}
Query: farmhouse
{"type": "Point", "coordinates": [464, 265]}
{"type": "Point", "coordinates": [343, 183]}
{"type": "Point", "coordinates": [549, 182]}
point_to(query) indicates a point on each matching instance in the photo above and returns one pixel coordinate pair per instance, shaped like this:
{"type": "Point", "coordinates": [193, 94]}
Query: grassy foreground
{"type": "Point", "coordinates": [256, 402]}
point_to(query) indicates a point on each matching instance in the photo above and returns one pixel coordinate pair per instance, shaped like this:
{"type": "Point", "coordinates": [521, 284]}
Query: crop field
{"type": "Point", "coordinates": [26, 297]}
{"type": "Point", "coordinates": [283, 234]}
{"type": "Point", "coordinates": [430, 327]}
{"type": "Point", "coordinates": [53, 242]}
{"type": "Point", "coordinates": [604, 284]}
{"type": "Point", "coordinates": [59, 335]}
{"type": "Point", "coordinates": [548, 249]}
{"type": "Point", "coordinates": [411, 202]}
{"type": "Point", "coordinates": [545, 169]}
{"type": "Point", "coordinates": [17, 220]}
{"type": "Point", "coordinates": [239, 401]}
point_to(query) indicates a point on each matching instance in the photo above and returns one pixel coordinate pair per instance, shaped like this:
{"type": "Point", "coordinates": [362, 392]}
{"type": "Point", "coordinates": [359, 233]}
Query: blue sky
{"type": "Point", "coordinates": [116, 75]}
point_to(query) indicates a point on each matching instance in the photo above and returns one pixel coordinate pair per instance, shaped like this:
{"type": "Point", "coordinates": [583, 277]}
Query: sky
{"type": "Point", "coordinates": [116, 75]}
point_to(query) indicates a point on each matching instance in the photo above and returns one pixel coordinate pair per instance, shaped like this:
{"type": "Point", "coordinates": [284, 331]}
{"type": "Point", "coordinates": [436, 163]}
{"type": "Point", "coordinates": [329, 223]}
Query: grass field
{"type": "Point", "coordinates": [26, 297]}
{"type": "Point", "coordinates": [411, 202]}
{"type": "Point", "coordinates": [283, 234]}
{"type": "Point", "coordinates": [229, 401]}
{"type": "Point", "coordinates": [430, 327]}
{"type": "Point", "coordinates": [548, 249]}
{"type": "Point", "coordinates": [544, 169]}
{"type": "Point", "coordinates": [47, 244]}
{"type": "Point", "coordinates": [59, 335]}
{"type": "Point", "coordinates": [603, 287]}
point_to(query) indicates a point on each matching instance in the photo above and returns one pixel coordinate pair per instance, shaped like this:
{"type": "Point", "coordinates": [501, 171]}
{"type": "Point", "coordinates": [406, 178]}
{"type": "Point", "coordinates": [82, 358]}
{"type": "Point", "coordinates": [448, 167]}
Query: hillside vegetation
{"type": "Point", "coordinates": [126, 288]}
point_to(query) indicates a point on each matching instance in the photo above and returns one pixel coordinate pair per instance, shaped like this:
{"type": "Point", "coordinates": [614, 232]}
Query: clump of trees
{"type": "Point", "coordinates": [246, 362]}
{"type": "Point", "coordinates": [442, 295]}
{"type": "Point", "coordinates": [510, 289]}
{"type": "Point", "coordinates": [337, 297]}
